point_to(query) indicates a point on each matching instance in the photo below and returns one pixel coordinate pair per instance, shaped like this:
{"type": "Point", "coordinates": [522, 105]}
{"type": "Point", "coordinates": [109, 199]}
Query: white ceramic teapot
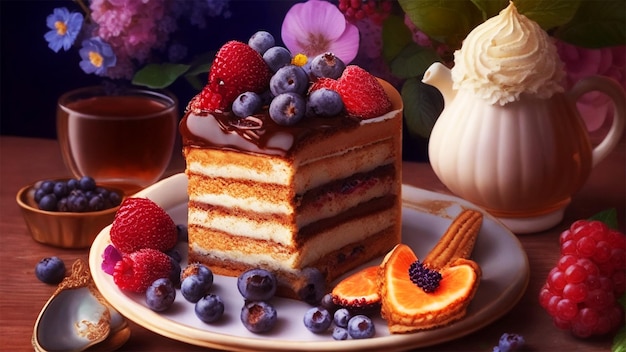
{"type": "Point", "coordinates": [523, 159]}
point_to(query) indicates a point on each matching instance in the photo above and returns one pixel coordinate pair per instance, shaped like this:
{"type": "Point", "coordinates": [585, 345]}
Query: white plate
{"type": "Point", "coordinates": [426, 215]}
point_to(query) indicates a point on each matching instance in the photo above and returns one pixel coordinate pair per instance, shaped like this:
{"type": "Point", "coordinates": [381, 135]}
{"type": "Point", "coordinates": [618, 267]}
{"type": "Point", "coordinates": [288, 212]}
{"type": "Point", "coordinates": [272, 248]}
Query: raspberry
{"type": "Point", "coordinates": [375, 10]}
{"type": "Point", "coordinates": [581, 290]}
{"type": "Point", "coordinates": [141, 223]}
{"type": "Point", "coordinates": [138, 270]}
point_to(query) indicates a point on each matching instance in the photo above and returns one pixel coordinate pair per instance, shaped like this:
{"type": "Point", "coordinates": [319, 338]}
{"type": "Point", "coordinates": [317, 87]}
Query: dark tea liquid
{"type": "Point", "coordinates": [122, 141]}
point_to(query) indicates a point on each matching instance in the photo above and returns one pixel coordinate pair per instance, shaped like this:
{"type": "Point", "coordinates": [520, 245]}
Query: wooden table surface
{"type": "Point", "coordinates": [25, 160]}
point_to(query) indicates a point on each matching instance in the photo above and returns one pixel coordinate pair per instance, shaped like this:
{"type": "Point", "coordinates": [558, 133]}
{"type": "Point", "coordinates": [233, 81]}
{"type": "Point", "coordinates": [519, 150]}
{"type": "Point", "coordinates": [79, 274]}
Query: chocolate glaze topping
{"type": "Point", "coordinates": [257, 133]}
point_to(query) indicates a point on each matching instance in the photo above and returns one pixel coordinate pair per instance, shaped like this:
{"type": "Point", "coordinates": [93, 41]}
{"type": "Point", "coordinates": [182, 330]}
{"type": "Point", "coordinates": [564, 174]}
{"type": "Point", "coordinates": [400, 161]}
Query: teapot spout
{"type": "Point", "coordinates": [440, 77]}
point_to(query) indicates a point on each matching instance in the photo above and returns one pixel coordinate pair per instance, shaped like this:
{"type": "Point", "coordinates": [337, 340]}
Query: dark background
{"type": "Point", "coordinates": [32, 76]}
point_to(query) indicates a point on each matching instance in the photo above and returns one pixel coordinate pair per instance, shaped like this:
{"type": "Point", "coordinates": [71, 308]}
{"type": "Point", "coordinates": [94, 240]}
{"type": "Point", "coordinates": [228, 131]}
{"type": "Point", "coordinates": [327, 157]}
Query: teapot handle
{"type": "Point", "coordinates": [615, 92]}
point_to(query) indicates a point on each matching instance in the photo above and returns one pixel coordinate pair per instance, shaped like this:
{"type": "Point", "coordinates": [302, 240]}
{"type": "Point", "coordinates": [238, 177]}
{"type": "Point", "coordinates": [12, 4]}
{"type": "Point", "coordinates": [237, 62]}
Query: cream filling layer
{"type": "Point", "coordinates": [322, 244]}
{"type": "Point", "coordinates": [280, 172]}
{"type": "Point", "coordinates": [242, 227]}
{"type": "Point", "coordinates": [247, 204]}
{"type": "Point", "coordinates": [310, 173]}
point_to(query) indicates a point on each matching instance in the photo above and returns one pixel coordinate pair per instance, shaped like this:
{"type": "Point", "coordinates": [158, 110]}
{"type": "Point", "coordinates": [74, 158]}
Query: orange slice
{"type": "Point", "coordinates": [359, 290]}
{"type": "Point", "coordinates": [407, 308]}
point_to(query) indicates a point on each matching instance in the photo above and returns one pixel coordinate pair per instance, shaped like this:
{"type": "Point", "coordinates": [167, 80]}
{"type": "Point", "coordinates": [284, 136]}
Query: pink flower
{"type": "Point", "coordinates": [594, 107]}
{"type": "Point", "coordinates": [317, 26]}
{"type": "Point", "coordinates": [132, 28]}
{"type": "Point", "coordinates": [110, 257]}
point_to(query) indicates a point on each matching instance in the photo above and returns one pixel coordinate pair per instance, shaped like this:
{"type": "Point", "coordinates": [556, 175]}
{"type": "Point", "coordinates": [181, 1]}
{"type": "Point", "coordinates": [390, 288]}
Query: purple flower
{"type": "Point", "coordinates": [110, 257]}
{"type": "Point", "coordinates": [317, 26]}
{"type": "Point", "coordinates": [96, 56]}
{"type": "Point", "coordinates": [64, 28]}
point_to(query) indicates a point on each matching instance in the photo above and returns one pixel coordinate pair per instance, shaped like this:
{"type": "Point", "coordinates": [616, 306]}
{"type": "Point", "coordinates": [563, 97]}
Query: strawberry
{"type": "Point", "coordinates": [141, 223]}
{"type": "Point", "coordinates": [325, 82]}
{"type": "Point", "coordinates": [363, 96]}
{"type": "Point", "coordinates": [138, 270]}
{"type": "Point", "coordinates": [237, 68]}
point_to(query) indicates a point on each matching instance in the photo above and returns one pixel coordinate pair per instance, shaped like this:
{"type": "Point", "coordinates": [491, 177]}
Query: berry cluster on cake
{"type": "Point", "coordinates": [293, 165]}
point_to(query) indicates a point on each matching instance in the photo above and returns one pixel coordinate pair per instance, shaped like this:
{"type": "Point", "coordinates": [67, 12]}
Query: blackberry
{"type": "Point", "coordinates": [425, 278]}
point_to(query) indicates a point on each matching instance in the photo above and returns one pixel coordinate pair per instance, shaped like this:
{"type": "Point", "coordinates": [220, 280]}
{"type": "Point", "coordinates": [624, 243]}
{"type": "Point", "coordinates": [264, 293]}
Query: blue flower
{"type": "Point", "coordinates": [64, 26]}
{"type": "Point", "coordinates": [96, 56]}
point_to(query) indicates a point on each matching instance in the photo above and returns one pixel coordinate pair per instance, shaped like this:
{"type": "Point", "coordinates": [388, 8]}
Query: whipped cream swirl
{"type": "Point", "coordinates": [506, 56]}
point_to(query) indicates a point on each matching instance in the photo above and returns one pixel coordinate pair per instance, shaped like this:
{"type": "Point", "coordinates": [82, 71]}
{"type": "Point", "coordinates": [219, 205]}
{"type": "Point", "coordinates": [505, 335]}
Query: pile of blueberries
{"type": "Point", "coordinates": [288, 98]}
{"type": "Point", "coordinates": [74, 195]}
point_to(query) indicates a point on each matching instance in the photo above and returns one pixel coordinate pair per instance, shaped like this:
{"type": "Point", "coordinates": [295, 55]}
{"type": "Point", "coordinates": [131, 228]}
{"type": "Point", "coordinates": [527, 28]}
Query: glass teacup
{"type": "Point", "coordinates": [122, 139]}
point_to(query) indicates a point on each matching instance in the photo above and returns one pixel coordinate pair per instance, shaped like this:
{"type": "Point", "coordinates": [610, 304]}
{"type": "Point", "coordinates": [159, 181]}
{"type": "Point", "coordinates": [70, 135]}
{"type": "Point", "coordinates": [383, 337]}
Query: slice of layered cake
{"type": "Point", "coordinates": [308, 199]}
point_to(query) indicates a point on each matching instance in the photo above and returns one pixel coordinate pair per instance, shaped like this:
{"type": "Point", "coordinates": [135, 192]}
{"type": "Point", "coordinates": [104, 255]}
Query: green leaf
{"type": "Point", "coordinates": [448, 22]}
{"type": "Point", "coordinates": [396, 35]}
{"type": "Point", "coordinates": [413, 61]}
{"type": "Point", "coordinates": [159, 75]}
{"type": "Point", "coordinates": [596, 24]}
{"type": "Point", "coordinates": [619, 341]}
{"type": "Point", "coordinates": [490, 8]}
{"type": "Point", "coordinates": [422, 106]}
{"type": "Point", "coordinates": [608, 216]}
{"type": "Point", "coordinates": [548, 13]}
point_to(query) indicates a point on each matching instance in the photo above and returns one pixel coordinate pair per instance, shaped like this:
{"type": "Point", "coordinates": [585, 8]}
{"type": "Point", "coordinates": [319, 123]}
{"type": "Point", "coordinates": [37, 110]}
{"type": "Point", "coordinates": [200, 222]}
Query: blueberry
{"type": "Point", "coordinates": [174, 253]}
{"type": "Point", "coordinates": [257, 284]}
{"type": "Point", "coordinates": [60, 189]}
{"type": "Point", "coordinates": [62, 205]}
{"type": "Point", "coordinates": [324, 102]}
{"type": "Point", "coordinates": [258, 316]}
{"type": "Point", "coordinates": [77, 201]}
{"type": "Point", "coordinates": [287, 109]}
{"type": "Point", "coordinates": [39, 193]}
{"type": "Point", "coordinates": [201, 271]}
{"type": "Point", "coordinates": [72, 184]}
{"type": "Point", "coordinates": [160, 295]}
{"type": "Point", "coordinates": [193, 288]}
{"type": "Point", "coordinates": [183, 234]}
{"type": "Point", "coordinates": [246, 104]}
{"type": "Point", "coordinates": [261, 41]}
{"type": "Point", "coordinates": [175, 272]}
{"type": "Point", "coordinates": [87, 183]}
{"type": "Point", "coordinates": [361, 327]}
{"type": "Point", "coordinates": [289, 79]}
{"type": "Point", "coordinates": [48, 202]}
{"type": "Point", "coordinates": [209, 308]}
{"type": "Point", "coordinates": [317, 319]}
{"type": "Point", "coordinates": [96, 203]}
{"type": "Point", "coordinates": [47, 186]}
{"type": "Point", "coordinates": [50, 270]}
{"type": "Point", "coordinates": [312, 286]}
{"type": "Point", "coordinates": [341, 317]}
{"type": "Point", "coordinates": [340, 333]}
{"type": "Point", "coordinates": [510, 342]}
{"type": "Point", "coordinates": [277, 57]}
{"type": "Point", "coordinates": [327, 302]}
{"type": "Point", "coordinates": [115, 199]}
{"type": "Point", "coordinates": [327, 65]}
